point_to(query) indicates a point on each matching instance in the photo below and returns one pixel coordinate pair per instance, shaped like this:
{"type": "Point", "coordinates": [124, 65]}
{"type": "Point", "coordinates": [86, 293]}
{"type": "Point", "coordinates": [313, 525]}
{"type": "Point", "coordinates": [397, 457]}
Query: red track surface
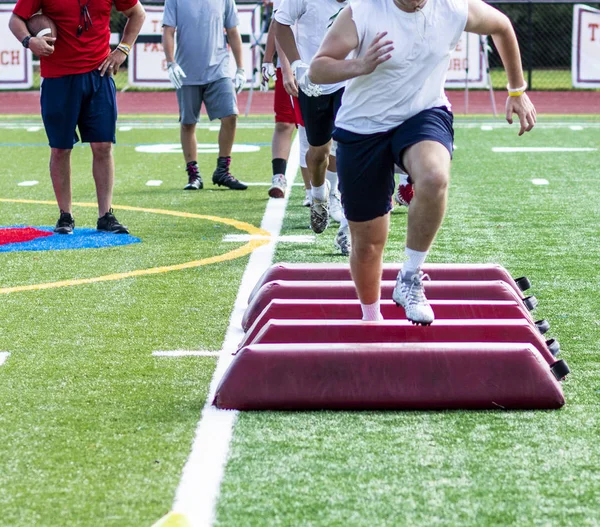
{"type": "Point", "coordinates": [27, 102]}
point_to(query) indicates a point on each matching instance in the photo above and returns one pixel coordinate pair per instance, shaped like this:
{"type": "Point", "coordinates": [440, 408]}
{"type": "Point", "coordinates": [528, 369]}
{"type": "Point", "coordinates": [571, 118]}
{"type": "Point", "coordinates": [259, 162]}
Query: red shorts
{"type": "Point", "coordinates": [287, 108]}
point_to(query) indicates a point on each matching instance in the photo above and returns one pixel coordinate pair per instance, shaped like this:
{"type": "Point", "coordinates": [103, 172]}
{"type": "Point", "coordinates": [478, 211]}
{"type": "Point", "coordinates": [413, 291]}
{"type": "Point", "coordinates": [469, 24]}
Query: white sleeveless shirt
{"type": "Point", "coordinates": [413, 79]}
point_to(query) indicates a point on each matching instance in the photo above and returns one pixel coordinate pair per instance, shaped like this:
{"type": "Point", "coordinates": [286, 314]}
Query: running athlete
{"type": "Point", "coordinates": [394, 110]}
{"type": "Point", "coordinates": [319, 103]}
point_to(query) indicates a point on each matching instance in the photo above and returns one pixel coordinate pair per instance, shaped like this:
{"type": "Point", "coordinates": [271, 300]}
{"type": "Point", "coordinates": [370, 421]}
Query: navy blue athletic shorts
{"type": "Point", "coordinates": [365, 163]}
{"type": "Point", "coordinates": [319, 115]}
{"type": "Point", "coordinates": [86, 101]}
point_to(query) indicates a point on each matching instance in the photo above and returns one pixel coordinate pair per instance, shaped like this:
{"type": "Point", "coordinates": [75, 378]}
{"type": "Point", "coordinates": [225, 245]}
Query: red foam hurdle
{"type": "Point", "coordinates": [283, 332]}
{"type": "Point", "coordinates": [323, 289]}
{"type": "Point", "coordinates": [389, 376]}
{"type": "Point", "coordinates": [313, 309]}
{"type": "Point", "coordinates": [312, 271]}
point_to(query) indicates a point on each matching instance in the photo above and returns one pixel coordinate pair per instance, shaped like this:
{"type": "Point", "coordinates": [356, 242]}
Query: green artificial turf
{"type": "Point", "coordinates": [95, 430]}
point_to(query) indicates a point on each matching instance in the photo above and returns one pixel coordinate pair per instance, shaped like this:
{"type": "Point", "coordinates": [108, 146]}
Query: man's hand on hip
{"type": "Point", "coordinates": [300, 71]}
{"type": "Point", "coordinates": [112, 62]}
{"type": "Point", "coordinates": [176, 74]}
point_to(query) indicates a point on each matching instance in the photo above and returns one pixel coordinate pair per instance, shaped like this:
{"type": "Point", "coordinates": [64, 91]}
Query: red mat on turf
{"type": "Point", "coordinates": [304, 271]}
{"type": "Point", "coordinates": [389, 376]}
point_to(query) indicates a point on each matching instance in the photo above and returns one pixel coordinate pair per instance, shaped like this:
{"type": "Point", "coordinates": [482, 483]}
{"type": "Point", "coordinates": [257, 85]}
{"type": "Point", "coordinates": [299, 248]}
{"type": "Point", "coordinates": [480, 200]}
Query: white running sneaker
{"type": "Point", "coordinates": [278, 186]}
{"type": "Point", "coordinates": [319, 212]}
{"type": "Point", "coordinates": [336, 213]}
{"type": "Point", "coordinates": [307, 198]}
{"type": "Point", "coordinates": [410, 294]}
{"type": "Point", "coordinates": [342, 240]}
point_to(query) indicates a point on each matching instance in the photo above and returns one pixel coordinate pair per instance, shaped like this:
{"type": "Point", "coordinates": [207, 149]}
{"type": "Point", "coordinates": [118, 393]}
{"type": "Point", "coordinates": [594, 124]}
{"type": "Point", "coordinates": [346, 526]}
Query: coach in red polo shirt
{"type": "Point", "coordinates": [78, 90]}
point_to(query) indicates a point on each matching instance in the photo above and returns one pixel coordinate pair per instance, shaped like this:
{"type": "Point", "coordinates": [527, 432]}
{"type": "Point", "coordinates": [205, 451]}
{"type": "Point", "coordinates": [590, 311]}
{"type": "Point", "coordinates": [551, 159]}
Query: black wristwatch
{"type": "Point", "coordinates": [25, 41]}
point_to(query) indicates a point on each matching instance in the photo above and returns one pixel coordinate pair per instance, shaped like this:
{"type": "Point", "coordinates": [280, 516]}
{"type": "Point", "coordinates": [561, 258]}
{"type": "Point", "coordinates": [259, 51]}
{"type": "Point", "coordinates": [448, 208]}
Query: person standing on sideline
{"type": "Point", "coordinates": [287, 114]}
{"type": "Point", "coordinates": [319, 103]}
{"type": "Point", "coordinates": [394, 110]}
{"type": "Point", "coordinates": [199, 71]}
{"type": "Point", "coordinates": [78, 91]}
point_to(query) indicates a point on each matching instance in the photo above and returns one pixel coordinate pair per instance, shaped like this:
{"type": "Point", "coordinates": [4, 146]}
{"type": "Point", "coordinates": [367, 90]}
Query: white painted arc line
{"type": "Point", "coordinates": [200, 483]}
{"type": "Point", "coordinates": [301, 238]}
{"type": "Point", "coordinates": [533, 149]}
{"type": "Point", "coordinates": [185, 353]}
{"type": "Point", "coordinates": [27, 183]}
{"type": "Point", "coordinates": [576, 128]}
{"type": "Point", "coordinates": [487, 128]}
{"type": "Point", "coordinates": [3, 356]}
{"type": "Point", "coordinates": [154, 183]}
{"type": "Point", "coordinates": [540, 181]}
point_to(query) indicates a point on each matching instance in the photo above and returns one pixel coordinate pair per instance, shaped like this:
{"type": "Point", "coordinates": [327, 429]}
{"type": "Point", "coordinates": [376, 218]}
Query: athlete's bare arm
{"type": "Point", "coordinates": [330, 65]}
{"type": "Point", "coordinates": [286, 41]}
{"type": "Point", "coordinates": [486, 20]}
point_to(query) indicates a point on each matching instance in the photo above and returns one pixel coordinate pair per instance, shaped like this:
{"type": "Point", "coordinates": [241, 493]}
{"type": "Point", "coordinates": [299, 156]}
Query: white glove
{"type": "Point", "coordinates": [240, 80]}
{"type": "Point", "coordinates": [175, 74]}
{"type": "Point", "coordinates": [267, 71]}
{"type": "Point", "coordinates": [300, 71]}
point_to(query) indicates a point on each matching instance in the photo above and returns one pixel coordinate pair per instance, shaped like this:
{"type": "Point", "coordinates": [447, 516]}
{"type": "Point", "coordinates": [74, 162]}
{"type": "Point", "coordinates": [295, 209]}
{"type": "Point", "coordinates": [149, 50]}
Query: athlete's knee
{"type": "Point", "coordinates": [188, 127]}
{"type": "Point", "coordinates": [367, 247]}
{"type": "Point", "coordinates": [284, 128]}
{"type": "Point", "coordinates": [60, 153]}
{"type": "Point", "coordinates": [433, 181]}
{"type": "Point", "coordinates": [230, 120]}
{"type": "Point", "coordinates": [319, 154]}
{"type": "Point", "coordinates": [101, 149]}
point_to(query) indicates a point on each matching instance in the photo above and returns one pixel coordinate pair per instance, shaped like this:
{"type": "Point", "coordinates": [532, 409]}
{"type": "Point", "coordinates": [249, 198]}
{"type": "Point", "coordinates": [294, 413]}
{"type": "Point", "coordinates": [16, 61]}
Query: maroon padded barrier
{"type": "Point", "coordinates": [323, 271]}
{"type": "Point", "coordinates": [284, 332]}
{"type": "Point", "coordinates": [285, 309]}
{"type": "Point", "coordinates": [388, 376]}
{"type": "Point", "coordinates": [322, 289]}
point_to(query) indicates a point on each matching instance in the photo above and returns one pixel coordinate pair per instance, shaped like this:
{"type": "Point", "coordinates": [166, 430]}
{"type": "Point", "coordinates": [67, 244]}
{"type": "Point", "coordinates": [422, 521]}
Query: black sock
{"type": "Point", "coordinates": [279, 166]}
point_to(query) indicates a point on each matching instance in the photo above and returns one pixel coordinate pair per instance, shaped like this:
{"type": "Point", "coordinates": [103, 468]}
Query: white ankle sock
{"type": "Point", "coordinates": [332, 177]}
{"type": "Point", "coordinates": [371, 312]}
{"type": "Point", "coordinates": [344, 222]}
{"type": "Point", "coordinates": [415, 261]}
{"type": "Point", "coordinates": [320, 192]}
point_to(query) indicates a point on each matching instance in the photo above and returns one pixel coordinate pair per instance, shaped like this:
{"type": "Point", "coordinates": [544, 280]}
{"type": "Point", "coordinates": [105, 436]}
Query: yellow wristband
{"type": "Point", "coordinates": [125, 48]}
{"type": "Point", "coordinates": [516, 92]}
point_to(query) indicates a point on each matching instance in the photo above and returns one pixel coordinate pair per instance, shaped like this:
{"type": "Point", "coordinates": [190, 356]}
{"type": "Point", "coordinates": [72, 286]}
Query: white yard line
{"type": "Point", "coordinates": [540, 181]}
{"type": "Point", "coordinates": [198, 490]}
{"type": "Point", "coordinates": [299, 238]}
{"type": "Point", "coordinates": [532, 149]}
{"type": "Point", "coordinates": [27, 183]}
{"type": "Point", "coordinates": [3, 356]}
{"type": "Point", "coordinates": [153, 183]}
{"type": "Point", "coordinates": [186, 353]}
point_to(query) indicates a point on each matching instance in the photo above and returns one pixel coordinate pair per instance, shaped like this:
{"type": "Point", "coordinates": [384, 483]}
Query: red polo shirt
{"type": "Point", "coordinates": [73, 54]}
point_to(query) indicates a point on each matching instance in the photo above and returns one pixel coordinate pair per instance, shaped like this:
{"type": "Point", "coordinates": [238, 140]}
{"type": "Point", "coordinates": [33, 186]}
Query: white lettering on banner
{"type": "Point", "coordinates": [468, 55]}
{"type": "Point", "coordinates": [585, 50]}
{"type": "Point", "coordinates": [147, 64]}
{"type": "Point", "coordinates": [16, 71]}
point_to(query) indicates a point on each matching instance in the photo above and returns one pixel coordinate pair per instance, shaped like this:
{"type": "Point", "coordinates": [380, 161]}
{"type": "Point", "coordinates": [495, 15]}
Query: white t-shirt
{"type": "Point", "coordinates": [413, 79]}
{"type": "Point", "coordinates": [312, 18]}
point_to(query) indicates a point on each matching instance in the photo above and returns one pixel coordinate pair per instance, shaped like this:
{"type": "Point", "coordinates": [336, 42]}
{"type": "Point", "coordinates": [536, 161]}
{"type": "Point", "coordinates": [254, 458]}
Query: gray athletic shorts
{"type": "Point", "coordinates": [218, 97]}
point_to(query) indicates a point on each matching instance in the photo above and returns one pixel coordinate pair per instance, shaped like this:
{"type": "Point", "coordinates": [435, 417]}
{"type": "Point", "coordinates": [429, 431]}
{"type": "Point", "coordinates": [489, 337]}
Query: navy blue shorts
{"type": "Point", "coordinates": [319, 115]}
{"type": "Point", "coordinates": [365, 163]}
{"type": "Point", "coordinates": [86, 101]}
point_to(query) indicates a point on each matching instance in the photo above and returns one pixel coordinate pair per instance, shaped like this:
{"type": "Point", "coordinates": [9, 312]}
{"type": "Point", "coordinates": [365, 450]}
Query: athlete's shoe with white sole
{"type": "Point", "coordinates": [336, 213]}
{"type": "Point", "coordinates": [278, 186]}
{"type": "Point", "coordinates": [319, 212]}
{"type": "Point", "coordinates": [343, 241]}
{"type": "Point", "coordinates": [410, 294]}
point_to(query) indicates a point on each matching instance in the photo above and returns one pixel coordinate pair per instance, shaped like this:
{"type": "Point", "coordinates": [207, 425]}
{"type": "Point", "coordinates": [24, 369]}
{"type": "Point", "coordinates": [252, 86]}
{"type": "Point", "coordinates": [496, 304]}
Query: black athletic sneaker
{"type": "Point", "coordinates": [109, 223]}
{"type": "Point", "coordinates": [65, 223]}
{"type": "Point", "coordinates": [194, 178]}
{"type": "Point", "coordinates": [223, 178]}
